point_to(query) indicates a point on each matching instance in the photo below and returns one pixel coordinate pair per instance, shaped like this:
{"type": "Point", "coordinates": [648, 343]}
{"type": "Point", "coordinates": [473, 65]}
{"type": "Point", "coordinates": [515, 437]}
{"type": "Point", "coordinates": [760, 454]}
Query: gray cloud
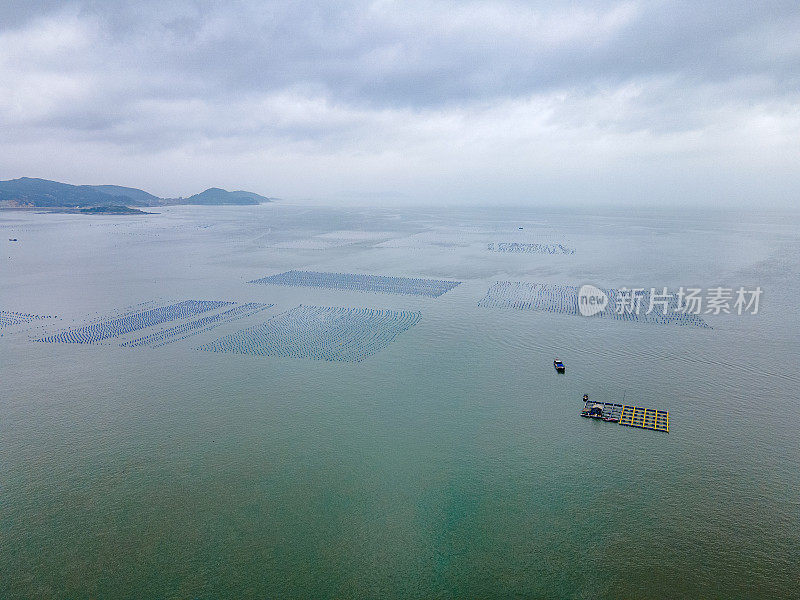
{"type": "Point", "coordinates": [505, 90]}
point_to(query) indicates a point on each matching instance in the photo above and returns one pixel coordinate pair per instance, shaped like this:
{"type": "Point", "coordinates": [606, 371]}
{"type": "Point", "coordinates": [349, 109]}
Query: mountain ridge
{"type": "Point", "coordinates": [45, 193]}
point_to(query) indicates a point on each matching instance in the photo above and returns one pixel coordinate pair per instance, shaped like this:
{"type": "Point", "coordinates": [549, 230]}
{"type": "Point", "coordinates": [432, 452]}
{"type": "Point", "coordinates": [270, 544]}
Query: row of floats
{"type": "Point", "coordinates": [320, 333]}
{"type": "Point", "coordinates": [9, 318]}
{"type": "Point", "coordinates": [563, 299]}
{"type": "Point", "coordinates": [359, 282]}
{"type": "Point", "coordinates": [201, 325]}
{"type": "Point", "coordinates": [116, 327]}
{"type": "Point", "coordinates": [533, 248]}
{"type": "Point", "coordinates": [316, 332]}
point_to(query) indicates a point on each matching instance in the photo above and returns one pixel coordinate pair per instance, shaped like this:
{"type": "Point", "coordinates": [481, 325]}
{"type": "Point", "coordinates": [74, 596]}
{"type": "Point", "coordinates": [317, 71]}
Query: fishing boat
{"type": "Point", "coordinates": [559, 366]}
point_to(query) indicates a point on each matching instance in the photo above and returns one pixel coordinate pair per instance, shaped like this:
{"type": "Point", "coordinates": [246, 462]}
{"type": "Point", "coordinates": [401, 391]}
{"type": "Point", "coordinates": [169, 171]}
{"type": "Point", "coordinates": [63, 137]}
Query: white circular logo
{"type": "Point", "coordinates": [591, 300]}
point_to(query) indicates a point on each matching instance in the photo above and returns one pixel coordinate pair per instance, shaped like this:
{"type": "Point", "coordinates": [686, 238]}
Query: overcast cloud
{"type": "Point", "coordinates": [474, 102]}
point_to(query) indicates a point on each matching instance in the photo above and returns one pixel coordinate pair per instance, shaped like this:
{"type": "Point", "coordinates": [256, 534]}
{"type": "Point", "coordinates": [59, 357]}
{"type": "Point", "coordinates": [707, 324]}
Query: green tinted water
{"type": "Point", "coordinates": [453, 463]}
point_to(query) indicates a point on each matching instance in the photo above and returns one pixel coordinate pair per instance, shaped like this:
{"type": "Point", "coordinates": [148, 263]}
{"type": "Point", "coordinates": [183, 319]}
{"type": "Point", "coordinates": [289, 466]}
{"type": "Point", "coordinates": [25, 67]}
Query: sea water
{"type": "Point", "coordinates": [449, 463]}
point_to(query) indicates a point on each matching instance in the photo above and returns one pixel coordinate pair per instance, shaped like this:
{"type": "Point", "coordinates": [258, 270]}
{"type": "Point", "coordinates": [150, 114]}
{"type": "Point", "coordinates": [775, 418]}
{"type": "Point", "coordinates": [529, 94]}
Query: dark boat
{"type": "Point", "coordinates": [586, 397]}
{"type": "Point", "coordinates": [559, 366]}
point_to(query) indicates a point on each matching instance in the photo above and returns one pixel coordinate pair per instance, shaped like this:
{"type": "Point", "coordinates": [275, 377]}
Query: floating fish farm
{"type": "Point", "coordinates": [646, 418]}
{"type": "Point", "coordinates": [564, 299]}
{"type": "Point", "coordinates": [320, 333]}
{"type": "Point", "coordinates": [134, 321]}
{"type": "Point", "coordinates": [9, 318]}
{"type": "Point", "coordinates": [630, 416]}
{"type": "Point", "coordinates": [534, 248]}
{"type": "Point", "coordinates": [363, 283]}
{"type": "Point", "coordinates": [201, 325]}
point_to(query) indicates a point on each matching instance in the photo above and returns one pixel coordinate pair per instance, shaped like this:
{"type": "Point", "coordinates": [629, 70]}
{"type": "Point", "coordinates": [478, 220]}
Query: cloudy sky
{"type": "Point", "coordinates": [391, 102]}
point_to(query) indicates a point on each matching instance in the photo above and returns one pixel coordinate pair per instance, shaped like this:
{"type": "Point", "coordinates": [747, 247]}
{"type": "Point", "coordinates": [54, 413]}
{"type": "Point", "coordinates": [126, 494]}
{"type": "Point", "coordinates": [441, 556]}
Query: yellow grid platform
{"type": "Point", "coordinates": [646, 418]}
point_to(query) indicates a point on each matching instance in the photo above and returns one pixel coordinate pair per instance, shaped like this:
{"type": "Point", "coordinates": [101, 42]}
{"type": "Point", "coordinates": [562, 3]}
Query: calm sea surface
{"type": "Point", "coordinates": [451, 464]}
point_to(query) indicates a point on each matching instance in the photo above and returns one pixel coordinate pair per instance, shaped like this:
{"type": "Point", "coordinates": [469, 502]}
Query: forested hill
{"type": "Point", "coordinates": [220, 196]}
{"type": "Point", "coordinates": [32, 192]}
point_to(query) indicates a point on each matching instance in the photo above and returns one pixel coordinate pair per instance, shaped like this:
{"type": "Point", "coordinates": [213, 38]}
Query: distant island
{"type": "Point", "coordinates": [96, 210]}
{"type": "Point", "coordinates": [28, 192]}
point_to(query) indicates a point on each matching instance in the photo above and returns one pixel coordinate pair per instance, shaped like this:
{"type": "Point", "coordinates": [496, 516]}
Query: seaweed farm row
{"type": "Point", "coordinates": [363, 283]}
{"type": "Point", "coordinates": [564, 299]}
{"type": "Point", "coordinates": [201, 325]}
{"type": "Point", "coordinates": [321, 333]}
{"type": "Point", "coordinates": [534, 248]}
{"type": "Point", "coordinates": [519, 295]}
{"type": "Point", "coordinates": [9, 318]}
{"type": "Point", "coordinates": [134, 321]}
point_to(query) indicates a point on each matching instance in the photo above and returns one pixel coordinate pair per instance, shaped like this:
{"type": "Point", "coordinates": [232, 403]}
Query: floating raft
{"type": "Point", "coordinates": [611, 411]}
{"type": "Point", "coordinates": [646, 418]}
{"type": "Point", "coordinates": [632, 416]}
